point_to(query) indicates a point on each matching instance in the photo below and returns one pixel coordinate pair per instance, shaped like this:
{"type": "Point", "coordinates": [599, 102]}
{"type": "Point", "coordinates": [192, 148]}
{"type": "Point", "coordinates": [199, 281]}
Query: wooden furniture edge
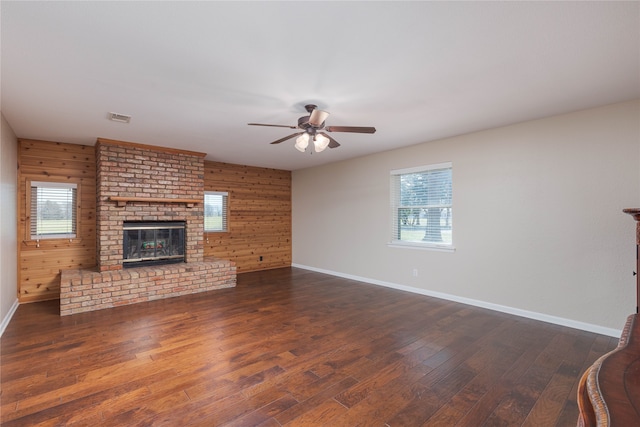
{"type": "Point", "coordinates": [592, 407]}
{"type": "Point", "coordinates": [634, 212]}
{"type": "Point", "coordinates": [586, 412]}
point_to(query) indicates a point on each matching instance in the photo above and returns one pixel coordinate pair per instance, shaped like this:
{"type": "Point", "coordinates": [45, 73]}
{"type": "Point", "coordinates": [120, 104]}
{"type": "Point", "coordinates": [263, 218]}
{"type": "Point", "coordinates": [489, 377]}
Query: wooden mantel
{"type": "Point", "coordinates": [122, 201]}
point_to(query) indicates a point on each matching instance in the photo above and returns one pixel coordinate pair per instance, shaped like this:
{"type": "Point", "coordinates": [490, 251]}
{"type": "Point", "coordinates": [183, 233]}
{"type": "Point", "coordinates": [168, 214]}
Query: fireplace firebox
{"type": "Point", "coordinates": [152, 243]}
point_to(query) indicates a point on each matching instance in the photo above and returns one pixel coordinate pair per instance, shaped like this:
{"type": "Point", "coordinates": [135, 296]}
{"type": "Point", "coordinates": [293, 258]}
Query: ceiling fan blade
{"type": "Point", "coordinates": [287, 137]}
{"type": "Point", "coordinates": [354, 129]}
{"type": "Point", "coordinates": [275, 126]}
{"type": "Point", "coordinates": [318, 117]}
{"type": "Point", "coordinates": [332, 142]}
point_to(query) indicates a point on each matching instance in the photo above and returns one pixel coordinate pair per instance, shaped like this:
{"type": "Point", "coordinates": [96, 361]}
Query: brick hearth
{"type": "Point", "coordinates": [156, 184]}
{"type": "Point", "coordinates": [87, 290]}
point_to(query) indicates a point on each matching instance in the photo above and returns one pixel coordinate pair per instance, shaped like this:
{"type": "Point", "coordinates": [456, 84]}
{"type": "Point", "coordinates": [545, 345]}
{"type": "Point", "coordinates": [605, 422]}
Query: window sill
{"type": "Point", "coordinates": [53, 243]}
{"type": "Point", "coordinates": [421, 246]}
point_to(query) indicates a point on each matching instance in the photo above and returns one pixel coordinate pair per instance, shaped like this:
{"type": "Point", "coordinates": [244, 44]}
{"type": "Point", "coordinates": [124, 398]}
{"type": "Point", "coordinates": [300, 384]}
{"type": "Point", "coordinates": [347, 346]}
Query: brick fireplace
{"type": "Point", "coordinates": [140, 183]}
{"type": "Point", "coordinates": [152, 243]}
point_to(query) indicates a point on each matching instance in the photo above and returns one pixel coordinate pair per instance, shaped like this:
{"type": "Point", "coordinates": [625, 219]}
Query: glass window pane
{"type": "Point", "coordinates": [53, 210]}
{"type": "Point", "coordinates": [215, 211]}
{"type": "Point", "coordinates": [422, 205]}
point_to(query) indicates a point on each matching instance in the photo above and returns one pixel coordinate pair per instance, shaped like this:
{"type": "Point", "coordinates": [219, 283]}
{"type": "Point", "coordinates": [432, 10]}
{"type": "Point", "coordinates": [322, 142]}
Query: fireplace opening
{"type": "Point", "coordinates": [153, 243]}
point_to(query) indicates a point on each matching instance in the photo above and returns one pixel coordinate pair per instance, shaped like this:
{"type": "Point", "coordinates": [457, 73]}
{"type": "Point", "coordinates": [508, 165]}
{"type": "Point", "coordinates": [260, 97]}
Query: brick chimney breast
{"type": "Point", "coordinates": [139, 172]}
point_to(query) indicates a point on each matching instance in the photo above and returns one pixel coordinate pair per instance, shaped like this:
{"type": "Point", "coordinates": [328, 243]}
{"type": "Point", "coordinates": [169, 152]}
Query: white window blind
{"type": "Point", "coordinates": [421, 206]}
{"type": "Point", "coordinates": [53, 210]}
{"type": "Point", "coordinates": [215, 210]}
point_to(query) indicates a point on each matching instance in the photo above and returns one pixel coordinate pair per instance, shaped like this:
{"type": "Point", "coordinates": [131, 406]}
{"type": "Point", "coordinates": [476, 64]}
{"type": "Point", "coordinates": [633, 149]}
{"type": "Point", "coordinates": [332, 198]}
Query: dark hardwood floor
{"type": "Point", "coordinates": [291, 347]}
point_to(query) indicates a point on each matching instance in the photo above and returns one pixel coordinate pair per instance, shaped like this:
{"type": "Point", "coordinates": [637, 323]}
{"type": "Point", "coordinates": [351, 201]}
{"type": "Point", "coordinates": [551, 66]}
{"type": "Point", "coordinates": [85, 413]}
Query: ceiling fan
{"type": "Point", "coordinates": [312, 129]}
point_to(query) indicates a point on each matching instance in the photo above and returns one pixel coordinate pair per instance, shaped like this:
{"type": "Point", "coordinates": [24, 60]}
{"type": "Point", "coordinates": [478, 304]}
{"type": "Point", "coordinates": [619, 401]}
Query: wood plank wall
{"type": "Point", "coordinates": [259, 216]}
{"type": "Point", "coordinates": [39, 263]}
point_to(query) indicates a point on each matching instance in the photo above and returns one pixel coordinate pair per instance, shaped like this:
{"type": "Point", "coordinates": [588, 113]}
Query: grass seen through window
{"type": "Point", "coordinates": [213, 222]}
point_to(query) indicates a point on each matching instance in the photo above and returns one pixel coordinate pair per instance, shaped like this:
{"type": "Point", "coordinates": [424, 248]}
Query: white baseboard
{"type": "Point", "coordinates": [7, 318]}
{"type": "Point", "coordinates": [477, 303]}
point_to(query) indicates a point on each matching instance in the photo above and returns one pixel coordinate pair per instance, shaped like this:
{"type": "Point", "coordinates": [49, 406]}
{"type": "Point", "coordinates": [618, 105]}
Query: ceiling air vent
{"type": "Point", "coordinates": [122, 118]}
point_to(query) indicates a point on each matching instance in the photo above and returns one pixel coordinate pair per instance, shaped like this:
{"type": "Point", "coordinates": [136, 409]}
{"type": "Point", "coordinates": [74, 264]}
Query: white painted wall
{"type": "Point", "coordinates": [537, 216]}
{"type": "Point", "coordinates": [8, 223]}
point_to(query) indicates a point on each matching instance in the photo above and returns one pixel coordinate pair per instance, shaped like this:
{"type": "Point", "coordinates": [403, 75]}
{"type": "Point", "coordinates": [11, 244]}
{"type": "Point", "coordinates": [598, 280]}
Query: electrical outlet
{"type": "Point", "coordinates": [415, 272]}
{"type": "Point", "coordinates": [260, 257]}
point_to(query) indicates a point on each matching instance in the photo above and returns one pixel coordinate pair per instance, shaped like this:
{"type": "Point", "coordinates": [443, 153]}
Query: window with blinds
{"type": "Point", "coordinates": [421, 206]}
{"type": "Point", "coordinates": [53, 210]}
{"type": "Point", "coordinates": [215, 211]}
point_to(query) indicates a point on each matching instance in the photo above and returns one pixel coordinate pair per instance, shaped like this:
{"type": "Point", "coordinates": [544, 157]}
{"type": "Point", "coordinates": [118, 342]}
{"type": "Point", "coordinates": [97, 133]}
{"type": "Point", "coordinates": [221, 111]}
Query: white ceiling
{"type": "Point", "coordinates": [193, 74]}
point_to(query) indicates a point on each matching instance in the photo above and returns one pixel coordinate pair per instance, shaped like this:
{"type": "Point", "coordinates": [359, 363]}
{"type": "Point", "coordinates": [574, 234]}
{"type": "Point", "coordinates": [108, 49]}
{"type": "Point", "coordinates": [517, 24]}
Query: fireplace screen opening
{"type": "Point", "coordinates": [152, 243]}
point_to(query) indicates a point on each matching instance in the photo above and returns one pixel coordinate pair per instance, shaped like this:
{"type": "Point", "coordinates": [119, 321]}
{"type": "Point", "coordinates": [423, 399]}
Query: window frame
{"type": "Point", "coordinates": [395, 206]}
{"type": "Point", "coordinates": [30, 183]}
{"type": "Point", "coordinates": [225, 213]}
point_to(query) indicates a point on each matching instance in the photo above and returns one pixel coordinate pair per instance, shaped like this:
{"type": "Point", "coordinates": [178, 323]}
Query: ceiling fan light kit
{"type": "Point", "coordinates": [311, 125]}
{"type": "Point", "coordinates": [320, 142]}
{"type": "Point", "coordinates": [302, 142]}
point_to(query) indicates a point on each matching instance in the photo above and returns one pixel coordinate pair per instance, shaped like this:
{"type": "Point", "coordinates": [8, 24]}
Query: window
{"type": "Point", "coordinates": [215, 211]}
{"type": "Point", "coordinates": [54, 210]}
{"type": "Point", "coordinates": [421, 207]}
